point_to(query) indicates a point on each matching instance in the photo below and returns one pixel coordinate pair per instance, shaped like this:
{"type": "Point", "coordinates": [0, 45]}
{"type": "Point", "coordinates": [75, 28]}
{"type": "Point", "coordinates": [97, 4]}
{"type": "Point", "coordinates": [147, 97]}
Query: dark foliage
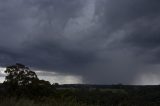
{"type": "Point", "coordinates": [21, 82]}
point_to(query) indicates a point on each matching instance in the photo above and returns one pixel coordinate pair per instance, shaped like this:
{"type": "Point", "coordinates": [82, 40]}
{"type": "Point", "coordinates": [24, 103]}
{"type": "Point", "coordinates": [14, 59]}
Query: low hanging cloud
{"type": "Point", "coordinates": [103, 41]}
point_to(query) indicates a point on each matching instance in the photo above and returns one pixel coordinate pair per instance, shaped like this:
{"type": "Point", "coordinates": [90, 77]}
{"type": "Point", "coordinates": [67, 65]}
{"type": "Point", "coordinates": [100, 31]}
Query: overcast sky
{"type": "Point", "coordinates": [101, 41]}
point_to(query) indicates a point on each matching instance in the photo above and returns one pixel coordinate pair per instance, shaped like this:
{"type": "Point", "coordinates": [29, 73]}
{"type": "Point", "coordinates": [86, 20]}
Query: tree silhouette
{"type": "Point", "coordinates": [19, 75]}
{"type": "Point", "coordinates": [20, 80]}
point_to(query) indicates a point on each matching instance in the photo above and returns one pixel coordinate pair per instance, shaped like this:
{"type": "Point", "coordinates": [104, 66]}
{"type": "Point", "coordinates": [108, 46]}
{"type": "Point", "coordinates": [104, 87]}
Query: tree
{"type": "Point", "coordinates": [20, 80]}
{"type": "Point", "coordinates": [19, 75]}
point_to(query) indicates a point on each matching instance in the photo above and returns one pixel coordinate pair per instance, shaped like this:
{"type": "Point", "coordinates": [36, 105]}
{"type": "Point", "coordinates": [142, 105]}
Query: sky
{"type": "Point", "coordinates": [83, 41]}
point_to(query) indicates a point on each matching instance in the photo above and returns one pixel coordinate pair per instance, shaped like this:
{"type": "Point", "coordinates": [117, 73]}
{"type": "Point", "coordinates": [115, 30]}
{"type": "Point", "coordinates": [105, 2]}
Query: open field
{"type": "Point", "coordinates": [87, 95]}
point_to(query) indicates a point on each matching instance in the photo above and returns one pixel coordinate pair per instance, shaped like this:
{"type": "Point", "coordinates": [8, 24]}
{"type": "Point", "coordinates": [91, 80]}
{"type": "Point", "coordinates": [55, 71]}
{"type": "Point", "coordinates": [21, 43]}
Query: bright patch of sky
{"type": "Point", "coordinates": [52, 77]}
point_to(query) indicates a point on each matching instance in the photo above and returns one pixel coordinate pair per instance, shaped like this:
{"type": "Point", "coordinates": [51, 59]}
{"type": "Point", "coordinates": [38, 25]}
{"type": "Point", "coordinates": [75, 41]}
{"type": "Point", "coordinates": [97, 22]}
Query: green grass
{"type": "Point", "coordinates": [49, 102]}
{"type": "Point", "coordinates": [40, 102]}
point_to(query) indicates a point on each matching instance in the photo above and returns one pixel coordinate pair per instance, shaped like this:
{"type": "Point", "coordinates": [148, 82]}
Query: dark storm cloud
{"type": "Point", "coordinates": [33, 29]}
{"type": "Point", "coordinates": [104, 41]}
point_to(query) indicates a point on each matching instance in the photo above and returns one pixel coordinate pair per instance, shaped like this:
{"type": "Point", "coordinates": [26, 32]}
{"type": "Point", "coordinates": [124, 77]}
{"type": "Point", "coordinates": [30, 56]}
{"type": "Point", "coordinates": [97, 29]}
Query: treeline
{"type": "Point", "coordinates": [21, 81]}
{"type": "Point", "coordinates": [22, 84]}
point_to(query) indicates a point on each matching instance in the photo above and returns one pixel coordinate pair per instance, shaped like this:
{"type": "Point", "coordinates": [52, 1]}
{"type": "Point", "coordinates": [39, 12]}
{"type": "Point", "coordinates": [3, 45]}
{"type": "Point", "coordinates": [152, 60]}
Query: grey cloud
{"type": "Point", "coordinates": [104, 41]}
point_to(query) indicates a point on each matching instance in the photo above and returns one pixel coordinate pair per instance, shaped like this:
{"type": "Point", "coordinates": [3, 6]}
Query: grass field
{"type": "Point", "coordinates": [41, 102]}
